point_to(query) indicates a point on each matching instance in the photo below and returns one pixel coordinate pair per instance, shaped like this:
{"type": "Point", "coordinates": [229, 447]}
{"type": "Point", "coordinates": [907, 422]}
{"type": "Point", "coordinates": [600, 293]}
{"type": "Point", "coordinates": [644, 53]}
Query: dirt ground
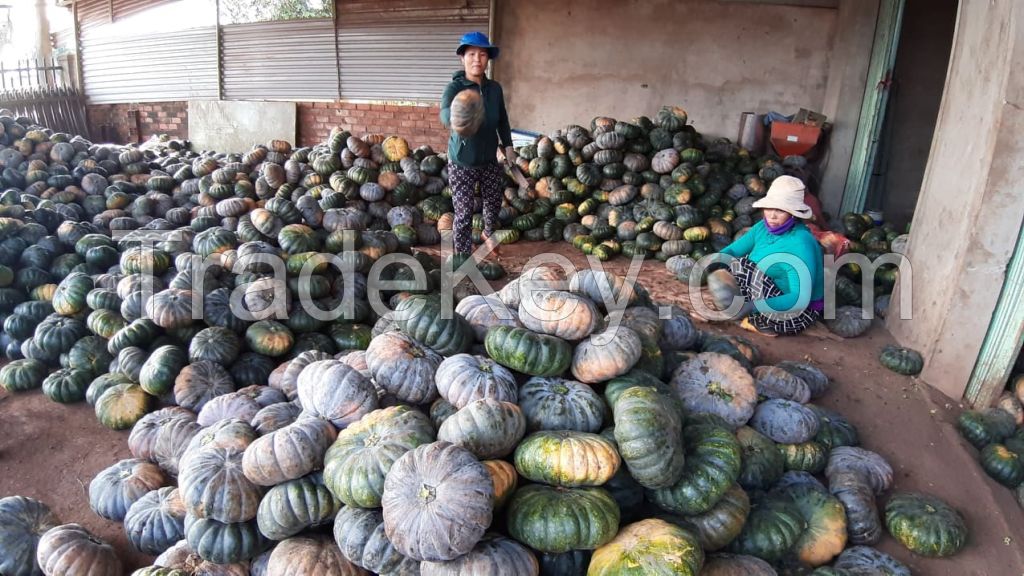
{"type": "Point", "coordinates": [51, 452]}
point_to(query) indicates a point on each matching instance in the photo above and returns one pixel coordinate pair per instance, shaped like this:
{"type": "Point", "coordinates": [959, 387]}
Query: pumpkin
{"type": "Point", "coordinates": [718, 384]}
{"type": "Point", "coordinates": [776, 383]}
{"type": "Point", "coordinates": [488, 428]}
{"type": "Point", "coordinates": [334, 391]}
{"type": "Point", "coordinates": [269, 338]}
{"type": "Point", "coordinates": [526, 351]}
{"type": "Point", "coordinates": [558, 404]}
{"type": "Point", "coordinates": [862, 520]}
{"type": "Point", "coordinates": [494, 554]}
{"type": "Point", "coordinates": [807, 456]}
{"type": "Point", "coordinates": [213, 485]}
{"type": "Point", "coordinates": [288, 453]}
{"type": "Point", "coordinates": [23, 521]}
{"type": "Point", "coordinates": [871, 467]}
{"type": "Point", "coordinates": [925, 524]}
{"type": "Point", "coordinates": [356, 465]}
{"type": "Point", "coordinates": [849, 322]}
{"type": "Point", "coordinates": [161, 368]}
{"type": "Point", "coordinates": [650, 546]}
{"type": "Point", "coordinates": [115, 489]}
{"type": "Point", "coordinates": [67, 385]}
{"type": "Point", "coordinates": [171, 308]}
{"type": "Point", "coordinates": [122, 405]}
{"type": "Point", "coordinates": [438, 501]}
{"type": "Point", "coordinates": [763, 464]}
{"type": "Point", "coordinates": [505, 479]}
{"type": "Point", "coordinates": [359, 533]}
{"type": "Point", "coordinates": [866, 560]}
{"type": "Point", "coordinates": [69, 299]}
{"type": "Point", "coordinates": [712, 465]}
{"type": "Point", "coordinates": [22, 375]}
{"type": "Point", "coordinates": [835, 430]}
{"type": "Point", "coordinates": [649, 437]}
{"type": "Point", "coordinates": [71, 549]}
{"type": "Point", "coordinates": [980, 428]}
{"type": "Point", "coordinates": [423, 319]}
{"type": "Point", "coordinates": [467, 113]}
{"type": "Point", "coordinates": [200, 382]}
{"type": "Point", "coordinates": [772, 529]}
{"type": "Point", "coordinates": [222, 543]}
{"type": "Point", "coordinates": [403, 368]}
{"type": "Point", "coordinates": [215, 344]}
{"type": "Point", "coordinates": [275, 417]}
{"type": "Point", "coordinates": [464, 378]}
{"type": "Point", "coordinates": [155, 521]}
{"type": "Point", "coordinates": [901, 360]}
{"type": "Point", "coordinates": [1002, 465]}
{"type": "Point", "coordinates": [561, 314]}
{"type": "Point", "coordinates": [227, 406]}
{"type": "Point", "coordinates": [567, 458]}
{"type": "Point", "coordinates": [605, 355]}
{"type": "Point", "coordinates": [785, 422]}
{"type": "Point", "coordinates": [825, 536]}
{"type": "Point", "coordinates": [720, 525]}
{"type": "Point", "coordinates": [293, 506]}
{"type": "Point", "coordinates": [482, 312]}
{"type": "Point", "coordinates": [554, 520]}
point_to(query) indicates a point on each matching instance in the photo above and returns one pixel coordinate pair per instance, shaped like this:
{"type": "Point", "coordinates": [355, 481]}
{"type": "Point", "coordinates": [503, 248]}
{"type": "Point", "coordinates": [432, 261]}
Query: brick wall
{"type": "Point", "coordinates": [128, 123]}
{"type": "Point", "coordinates": [418, 124]}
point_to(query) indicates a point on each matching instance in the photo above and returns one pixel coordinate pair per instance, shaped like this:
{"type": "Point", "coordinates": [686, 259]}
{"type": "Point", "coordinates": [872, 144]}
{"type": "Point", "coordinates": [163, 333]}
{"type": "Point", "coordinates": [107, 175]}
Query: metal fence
{"type": "Point", "coordinates": [41, 89]}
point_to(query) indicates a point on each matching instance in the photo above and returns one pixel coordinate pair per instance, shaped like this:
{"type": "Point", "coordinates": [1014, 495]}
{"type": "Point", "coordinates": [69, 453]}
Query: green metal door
{"type": "Point", "coordinates": [1004, 338]}
{"type": "Point", "coordinates": [876, 97]}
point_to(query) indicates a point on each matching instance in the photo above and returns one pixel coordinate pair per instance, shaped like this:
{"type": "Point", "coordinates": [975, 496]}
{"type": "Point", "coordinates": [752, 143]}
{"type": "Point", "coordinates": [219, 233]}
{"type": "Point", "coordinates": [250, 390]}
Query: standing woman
{"type": "Point", "coordinates": [473, 148]}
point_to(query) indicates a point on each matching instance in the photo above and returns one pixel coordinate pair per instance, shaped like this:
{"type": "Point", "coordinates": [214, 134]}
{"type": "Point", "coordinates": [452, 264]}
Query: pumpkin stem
{"type": "Point", "coordinates": [427, 493]}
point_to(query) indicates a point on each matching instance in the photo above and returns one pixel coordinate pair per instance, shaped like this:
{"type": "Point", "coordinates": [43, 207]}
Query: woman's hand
{"type": "Point", "coordinates": [510, 155]}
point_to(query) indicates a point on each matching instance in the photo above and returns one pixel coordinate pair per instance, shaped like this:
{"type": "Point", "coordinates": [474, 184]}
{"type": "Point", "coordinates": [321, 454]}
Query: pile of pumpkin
{"type": "Point", "coordinates": [998, 434]}
{"type": "Point", "coordinates": [514, 436]}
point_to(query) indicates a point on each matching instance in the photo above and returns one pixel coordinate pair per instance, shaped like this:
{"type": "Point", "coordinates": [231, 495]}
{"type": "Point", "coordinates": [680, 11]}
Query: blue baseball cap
{"type": "Point", "coordinates": [479, 40]}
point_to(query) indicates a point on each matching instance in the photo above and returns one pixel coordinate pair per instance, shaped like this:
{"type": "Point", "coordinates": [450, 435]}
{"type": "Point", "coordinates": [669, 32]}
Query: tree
{"type": "Point", "coordinates": [244, 11]}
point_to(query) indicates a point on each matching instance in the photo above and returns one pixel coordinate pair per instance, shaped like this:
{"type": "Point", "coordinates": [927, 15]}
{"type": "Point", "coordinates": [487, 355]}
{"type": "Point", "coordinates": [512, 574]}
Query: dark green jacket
{"type": "Point", "coordinates": [480, 149]}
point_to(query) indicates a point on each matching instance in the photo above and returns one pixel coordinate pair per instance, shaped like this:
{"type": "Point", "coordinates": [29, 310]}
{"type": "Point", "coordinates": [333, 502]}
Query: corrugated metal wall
{"type": "Point", "coordinates": [150, 68]}
{"type": "Point", "coordinates": [406, 62]}
{"type": "Point", "coordinates": [292, 60]}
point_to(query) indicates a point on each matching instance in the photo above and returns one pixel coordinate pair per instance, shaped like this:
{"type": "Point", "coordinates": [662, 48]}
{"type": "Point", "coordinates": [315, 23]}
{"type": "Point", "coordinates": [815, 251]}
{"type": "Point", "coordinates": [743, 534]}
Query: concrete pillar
{"type": "Point", "coordinates": [844, 95]}
{"type": "Point", "coordinates": [971, 207]}
{"type": "Point", "coordinates": [45, 49]}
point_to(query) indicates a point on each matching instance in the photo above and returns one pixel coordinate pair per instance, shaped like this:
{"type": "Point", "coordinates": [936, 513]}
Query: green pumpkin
{"type": "Point", "coordinates": [270, 338]}
{"type": "Point", "coordinates": [23, 521]}
{"type": "Point", "coordinates": [423, 319]}
{"type": "Point", "coordinates": [985, 427]}
{"type": "Point", "coordinates": [648, 431]}
{"type": "Point", "coordinates": [67, 385]}
{"type": "Point", "coordinates": [763, 464]}
{"type": "Point", "coordinates": [925, 524]}
{"type": "Point", "coordinates": [351, 336]}
{"type": "Point", "coordinates": [901, 360]}
{"type": "Point", "coordinates": [22, 375]}
{"type": "Point", "coordinates": [567, 458]}
{"type": "Point", "coordinates": [650, 546]}
{"type": "Point", "coordinates": [808, 457]}
{"type": "Point", "coordinates": [139, 333]}
{"type": "Point", "coordinates": [294, 506]}
{"type": "Point", "coordinates": [161, 368]}
{"type": "Point", "coordinates": [826, 534]}
{"type": "Point", "coordinates": [90, 354]}
{"type": "Point", "coordinates": [357, 464]}
{"type": "Point", "coordinates": [122, 405]}
{"type": "Point", "coordinates": [1003, 465]}
{"type": "Point", "coordinates": [528, 352]}
{"type": "Point", "coordinates": [105, 323]}
{"type": "Point", "coordinates": [69, 299]}
{"type": "Point", "coordinates": [57, 334]}
{"type": "Point", "coordinates": [835, 430]}
{"type": "Point", "coordinates": [712, 465]}
{"type": "Point", "coordinates": [222, 543]}
{"type": "Point", "coordinates": [720, 525]}
{"type": "Point", "coordinates": [556, 520]}
{"type": "Point", "coordinates": [772, 529]}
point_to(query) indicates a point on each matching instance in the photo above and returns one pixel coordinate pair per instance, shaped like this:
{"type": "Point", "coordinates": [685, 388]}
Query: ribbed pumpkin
{"type": "Point", "coordinates": [825, 536]}
{"type": "Point", "coordinates": [528, 352]}
{"type": "Point", "coordinates": [467, 112]}
{"type": "Point", "coordinates": [294, 506]}
{"type": "Point", "coordinates": [554, 520]}
{"type": "Point", "coordinates": [115, 489]}
{"type": "Point", "coordinates": [559, 404]}
{"type": "Point", "coordinates": [334, 391]}
{"type": "Point", "coordinates": [71, 549]}
{"type": "Point", "coordinates": [772, 529]}
{"type": "Point", "coordinates": [23, 521]}
{"type": "Point", "coordinates": [561, 314]}
{"type": "Point", "coordinates": [222, 543]}
{"type": "Point", "coordinates": [718, 384]}
{"type": "Point", "coordinates": [288, 453]}
{"type": "Point", "coordinates": [438, 501]}
{"type": "Point", "coordinates": [649, 436]}
{"type": "Point", "coordinates": [359, 533]}
{"type": "Point", "coordinates": [463, 378]}
{"type": "Point", "coordinates": [720, 525]}
{"type": "Point", "coordinates": [925, 524]}
{"type": "Point", "coordinates": [213, 486]}
{"type": "Point", "coordinates": [122, 405]}
{"type": "Point", "coordinates": [488, 428]}
{"type": "Point", "coordinates": [567, 458]}
{"type": "Point", "coordinates": [649, 546]}
{"type": "Point", "coordinates": [403, 368]}
{"type": "Point", "coordinates": [422, 318]}
{"type": "Point", "coordinates": [785, 422]}
{"type": "Point", "coordinates": [356, 465]}
{"type": "Point", "coordinates": [712, 464]}
{"type": "Point", "coordinates": [156, 521]}
{"type": "Point", "coordinates": [606, 354]}
{"type": "Point", "coordinates": [494, 554]}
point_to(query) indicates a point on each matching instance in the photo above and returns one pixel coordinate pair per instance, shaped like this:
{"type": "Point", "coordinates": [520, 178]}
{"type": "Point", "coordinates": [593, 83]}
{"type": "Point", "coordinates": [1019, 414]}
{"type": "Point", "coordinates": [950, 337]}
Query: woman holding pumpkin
{"type": "Point", "coordinates": [473, 107]}
{"type": "Point", "coordinates": [769, 265]}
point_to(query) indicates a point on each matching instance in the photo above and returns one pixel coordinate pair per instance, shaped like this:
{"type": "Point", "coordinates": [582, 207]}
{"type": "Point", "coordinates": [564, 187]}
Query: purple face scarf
{"type": "Point", "coordinates": [782, 228]}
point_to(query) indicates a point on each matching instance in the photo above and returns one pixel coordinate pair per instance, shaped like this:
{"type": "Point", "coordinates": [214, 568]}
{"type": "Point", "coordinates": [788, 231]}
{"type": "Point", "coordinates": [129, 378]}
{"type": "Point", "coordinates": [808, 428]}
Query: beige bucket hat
{"type": "Point", "coordinates": [786, 193]}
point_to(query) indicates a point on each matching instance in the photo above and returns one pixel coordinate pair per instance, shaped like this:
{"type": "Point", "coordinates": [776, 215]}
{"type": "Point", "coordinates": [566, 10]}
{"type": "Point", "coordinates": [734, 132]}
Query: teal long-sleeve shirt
{"type": "Point", "coordinates": [757, 244]}
{"type": "Point", "coordinates": [481, 148]}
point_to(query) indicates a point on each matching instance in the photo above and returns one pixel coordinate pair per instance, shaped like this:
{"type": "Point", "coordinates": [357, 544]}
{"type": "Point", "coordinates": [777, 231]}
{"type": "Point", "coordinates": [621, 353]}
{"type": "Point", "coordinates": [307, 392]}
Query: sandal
{"type": "Point", "coordinates": [494, 247]}
{"type": "Point", "coordinates": [746, 324]}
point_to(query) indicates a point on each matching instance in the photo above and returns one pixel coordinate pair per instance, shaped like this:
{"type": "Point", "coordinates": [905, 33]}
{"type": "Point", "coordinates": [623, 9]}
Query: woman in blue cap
{"type": "Point", "coordinates": [473, 159]}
